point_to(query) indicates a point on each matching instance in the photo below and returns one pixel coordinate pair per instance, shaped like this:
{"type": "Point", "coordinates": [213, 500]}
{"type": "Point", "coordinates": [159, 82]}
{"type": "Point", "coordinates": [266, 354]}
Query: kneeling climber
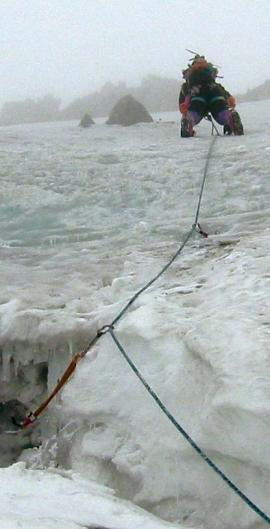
{"type": "Point", "coordinates": [200, 95]}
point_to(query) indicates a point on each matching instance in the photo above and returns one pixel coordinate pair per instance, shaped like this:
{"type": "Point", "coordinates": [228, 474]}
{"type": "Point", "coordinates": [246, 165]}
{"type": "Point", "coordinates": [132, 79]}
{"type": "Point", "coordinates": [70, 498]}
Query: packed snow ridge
{"type": "Point", "coordinates": [200, 335]}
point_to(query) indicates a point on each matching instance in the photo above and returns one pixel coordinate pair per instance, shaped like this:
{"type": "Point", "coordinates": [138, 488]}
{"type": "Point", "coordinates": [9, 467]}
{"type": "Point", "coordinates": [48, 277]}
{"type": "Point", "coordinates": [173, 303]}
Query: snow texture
{"type": "Point", "coordinates": [32, 499]}
{"type": "Point", "coordinates": [87, 218]}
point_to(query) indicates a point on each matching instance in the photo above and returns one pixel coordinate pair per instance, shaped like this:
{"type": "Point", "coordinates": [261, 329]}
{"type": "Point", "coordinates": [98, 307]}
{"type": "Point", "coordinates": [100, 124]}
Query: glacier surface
{"type": "Point", "coordinates": [87, 218]}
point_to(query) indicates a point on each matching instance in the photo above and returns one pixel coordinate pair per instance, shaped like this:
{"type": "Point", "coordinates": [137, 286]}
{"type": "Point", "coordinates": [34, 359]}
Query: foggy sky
{"type": "Point", "coordinates": [72, 47]}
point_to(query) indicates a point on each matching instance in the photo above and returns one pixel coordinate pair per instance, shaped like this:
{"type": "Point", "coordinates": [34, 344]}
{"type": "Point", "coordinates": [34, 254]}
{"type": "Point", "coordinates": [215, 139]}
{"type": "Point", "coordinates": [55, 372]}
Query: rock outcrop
{"type": "Point", "coordinates": [86, 121]}
{"type": "Point", "coordinates": [128, 111]}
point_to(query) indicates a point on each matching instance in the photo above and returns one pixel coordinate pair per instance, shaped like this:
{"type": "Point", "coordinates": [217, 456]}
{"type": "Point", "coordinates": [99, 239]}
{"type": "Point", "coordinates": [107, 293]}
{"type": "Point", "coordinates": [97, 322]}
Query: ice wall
{"type": "Point", "coordinates": [35, 347]}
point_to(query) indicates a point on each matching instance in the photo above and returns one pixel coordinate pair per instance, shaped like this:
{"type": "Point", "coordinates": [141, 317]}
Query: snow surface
{"type": "Point", "coordinates": [36, 499]}
{"type": "Point", "coordinates": [87, 217]}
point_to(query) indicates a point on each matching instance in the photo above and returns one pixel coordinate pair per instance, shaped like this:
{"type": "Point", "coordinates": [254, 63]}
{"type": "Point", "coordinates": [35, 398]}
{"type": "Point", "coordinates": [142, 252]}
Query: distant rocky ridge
{"type": "Point", "coordinates": [157, 94]}
{"type": "Point", "coordinates": [256, 94]}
